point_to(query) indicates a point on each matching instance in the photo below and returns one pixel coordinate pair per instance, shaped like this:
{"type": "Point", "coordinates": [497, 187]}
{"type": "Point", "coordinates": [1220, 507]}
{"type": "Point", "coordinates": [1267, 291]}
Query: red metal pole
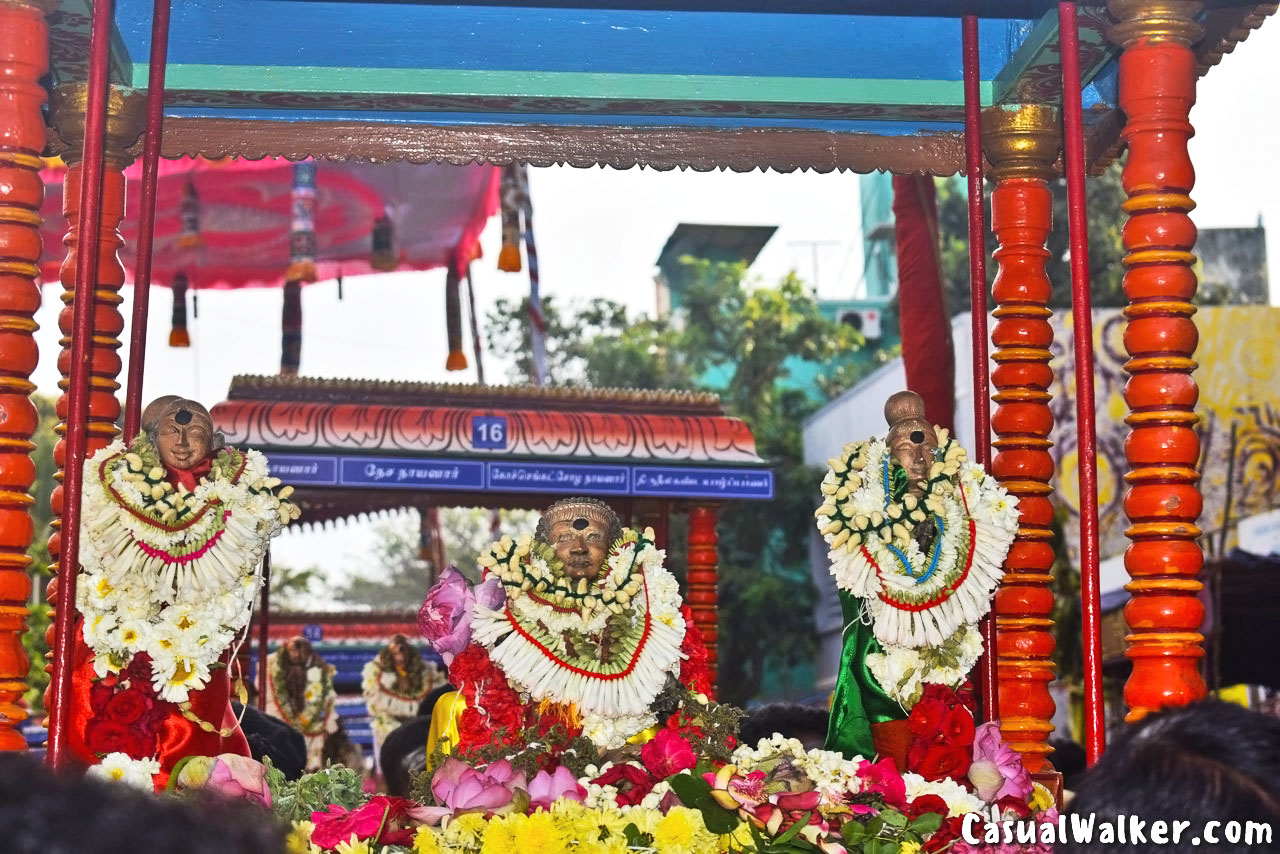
{"type": "Point", "coordinates": [90, 226]}
{"type": "Point", "coordinates": [978, 298]}
{"type": "Point", "coordinates": [264, 625]}
{"type": "Point", "coordinates": [146, 217]}
{"type": "Point", "coordinates": [1086, 431]}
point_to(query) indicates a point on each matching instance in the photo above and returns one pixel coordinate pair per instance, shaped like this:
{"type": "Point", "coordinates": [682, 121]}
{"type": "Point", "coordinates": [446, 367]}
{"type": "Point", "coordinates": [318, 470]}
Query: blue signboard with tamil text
{"type": "Point", "coordinates": [553, 477]}
{"type": "Point", "coordinates": [401, 473]}
{"type": "Point", "coordinates": [304, 470]}
{"type": "Point", "coordinates": [673, 482]}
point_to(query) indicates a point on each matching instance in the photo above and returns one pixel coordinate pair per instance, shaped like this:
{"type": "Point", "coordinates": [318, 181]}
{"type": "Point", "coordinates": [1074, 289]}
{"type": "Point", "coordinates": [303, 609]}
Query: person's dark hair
{"type": "Point", "coordinates": [793, 720]}
{"type": "Point", "coordinates": [403, 754]}
{"type": "Point", "coordinates": [428, 704]}
{"type": "Point", "coordinates": [1068, 759]}
{"type": "Point", "coordinates": [46, 813]}
{"type": "Point", "coordinates": [1206, 762]}
{"type": "Point", "coordinates": [268, 736]}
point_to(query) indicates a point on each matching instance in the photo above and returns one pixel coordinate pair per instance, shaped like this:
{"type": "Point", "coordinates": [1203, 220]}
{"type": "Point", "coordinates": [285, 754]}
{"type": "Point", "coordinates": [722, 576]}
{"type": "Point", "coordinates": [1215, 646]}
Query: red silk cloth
{"type": "Point", "coordinates": [437, 212]}
{"type": "Point", "coordinates": [926, 319]}
{"type": "Point", "coordinates": [159, 730]}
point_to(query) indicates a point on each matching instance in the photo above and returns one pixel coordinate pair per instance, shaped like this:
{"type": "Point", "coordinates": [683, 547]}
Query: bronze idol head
{"type": "Point", "coordinates": [911, 438]}
{"type": "Point", "coordinates": [181, 430]}
{"type": "Point", "coordinates": [581, 530]}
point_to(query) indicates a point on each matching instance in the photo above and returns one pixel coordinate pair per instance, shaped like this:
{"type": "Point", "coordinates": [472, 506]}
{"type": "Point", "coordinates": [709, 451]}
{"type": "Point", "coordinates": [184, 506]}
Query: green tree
{"type": "Point", "coordinates": [33, 641]}
{"type": "Point", "coordinates": [741, 342]}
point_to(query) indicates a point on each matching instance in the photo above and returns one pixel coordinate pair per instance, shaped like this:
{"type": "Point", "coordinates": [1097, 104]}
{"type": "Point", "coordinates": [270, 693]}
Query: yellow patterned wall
{"type": "Point", "coordinates": [1239, 379]}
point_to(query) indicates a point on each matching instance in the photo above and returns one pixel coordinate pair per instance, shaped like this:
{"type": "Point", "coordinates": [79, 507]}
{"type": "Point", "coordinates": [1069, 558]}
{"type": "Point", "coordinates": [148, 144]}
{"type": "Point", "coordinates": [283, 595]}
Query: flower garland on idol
{"type": "Point", "coordinates": [922, 601]}
{"type": "Point", "coordinates": [606, 646]}
{"type": "Point", "coordinates": [168, 571]}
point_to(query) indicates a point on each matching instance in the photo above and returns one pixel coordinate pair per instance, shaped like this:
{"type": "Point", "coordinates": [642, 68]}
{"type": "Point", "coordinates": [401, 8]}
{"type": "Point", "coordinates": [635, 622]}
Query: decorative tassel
{"type": "Point", "coordinates": [291, 329]}
{"type": "Point", "coordinates": [457, 360]}
{"type": "Point", "coordinates": [178, 335]}
{"type": "Point", "coordinates": [510, 192]}
{"type": "Point", "coordinates": [189, 214]}
{"type": "Point", "coordinates": [383, 255]}
{"type": "Point", "coordinates": [302, 235]}
{"type": "Point", "coordinates": [339, 287]}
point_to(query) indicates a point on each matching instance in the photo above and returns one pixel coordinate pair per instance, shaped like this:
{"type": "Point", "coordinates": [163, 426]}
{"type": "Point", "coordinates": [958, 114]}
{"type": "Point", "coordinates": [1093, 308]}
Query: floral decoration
{"type": "Point", "coordinates": [168, 571]}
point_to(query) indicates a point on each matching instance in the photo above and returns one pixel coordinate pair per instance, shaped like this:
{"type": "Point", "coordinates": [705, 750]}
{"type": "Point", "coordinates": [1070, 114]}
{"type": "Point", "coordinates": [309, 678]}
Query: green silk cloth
{"type": "Point", "coordinates": [859, 701]}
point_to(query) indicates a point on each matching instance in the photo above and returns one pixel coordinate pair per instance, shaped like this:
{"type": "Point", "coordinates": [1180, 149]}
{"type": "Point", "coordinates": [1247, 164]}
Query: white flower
{"type": "Point", "coordinates": [121, 768]}
{"type": "Point", "coordinates": [959, 800]}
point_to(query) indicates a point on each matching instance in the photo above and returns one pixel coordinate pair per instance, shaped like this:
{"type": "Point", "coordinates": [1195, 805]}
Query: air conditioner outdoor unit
{"type": "Point", "coordinates": [865, 320]}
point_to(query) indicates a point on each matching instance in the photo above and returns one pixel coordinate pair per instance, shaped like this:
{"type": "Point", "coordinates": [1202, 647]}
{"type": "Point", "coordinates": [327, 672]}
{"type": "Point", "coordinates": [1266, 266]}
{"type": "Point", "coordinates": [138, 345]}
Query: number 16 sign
{"type": "Point", "coordinates": [489, 432]}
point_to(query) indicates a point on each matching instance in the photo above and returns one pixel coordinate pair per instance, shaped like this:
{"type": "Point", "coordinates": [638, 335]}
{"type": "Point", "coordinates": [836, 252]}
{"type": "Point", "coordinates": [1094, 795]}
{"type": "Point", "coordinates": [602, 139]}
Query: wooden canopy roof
{"type": "Point", "coordinates": [359, 446]}
{"type": "Point", "coordinates": [863, 84]}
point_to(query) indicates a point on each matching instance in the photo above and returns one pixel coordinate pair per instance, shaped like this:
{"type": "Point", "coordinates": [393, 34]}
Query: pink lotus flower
{"type": "Point", "coordinates": [883, 778]}
{"type": "Point", "coordinates": [997, 771]}
{"type": "Point", "coordinates": [666, 754]}
{"type": "Point", "coordinates": [459, 788]}
{"type": "Point", "coordinates": [445, 615]}
{"type": "Point", "coordinates": [228, 774]}
{"type": "Point", "coordinates": [545, 789]}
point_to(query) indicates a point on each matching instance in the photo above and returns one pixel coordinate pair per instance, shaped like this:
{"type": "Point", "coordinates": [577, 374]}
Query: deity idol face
{"type": "Point", "coordinates": [184, 438]}
{"type": "Point", "coordinates": [913, 444]}
{"type": "Point", "coordinates": [581, 544]}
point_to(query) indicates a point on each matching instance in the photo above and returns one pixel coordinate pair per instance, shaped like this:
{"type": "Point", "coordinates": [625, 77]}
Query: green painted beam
{"type": "Point", "coordinates": [1024, 78]}
{"type": "Point", "coordinates": [467, 83]}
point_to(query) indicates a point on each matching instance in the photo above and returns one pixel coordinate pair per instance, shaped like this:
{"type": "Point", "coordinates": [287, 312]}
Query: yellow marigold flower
{"type": "Point", "coordinates": [466, 830]}
{"type": "Point", "coordinates": [908, 847]}
{"type": "Point", "coordinates": [499, 836]}
{"type": "Point", "coordinates": [425, 841]}
{"type": "Point", "coordinates": [541, 833]}
{"type": "Point", "coordinates": [740, 840]}
{"type": "Point", "coordinates": [1041, 797]}
{"type": "Point", "coordinates": [299, 839]}
{"type": "Point", "coordinates": [681, 831]}
{"type": "Point", "coordinates": [354, 846]}
{"type": "Point", "coordinates": [643, 818]}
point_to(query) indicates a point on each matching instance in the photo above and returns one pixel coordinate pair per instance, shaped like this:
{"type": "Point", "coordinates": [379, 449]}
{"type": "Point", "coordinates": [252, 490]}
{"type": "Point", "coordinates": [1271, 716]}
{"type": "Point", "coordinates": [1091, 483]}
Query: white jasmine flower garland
{"type": "Point", "coordinates": [605, 645]}
{"type": "Point", "coordinates": [169, 571]}
{"type": "Point", "coordinates": [922, 603]}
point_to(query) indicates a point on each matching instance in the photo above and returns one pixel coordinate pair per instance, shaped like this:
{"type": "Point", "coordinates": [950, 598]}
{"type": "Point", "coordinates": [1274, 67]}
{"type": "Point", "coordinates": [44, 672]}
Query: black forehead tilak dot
{"type": "Point", "coordinates": [917, 436]}
{"type": "Point", "coordinates": [581, 523]}
{"type": "Point", "coordinates": [182, 416]}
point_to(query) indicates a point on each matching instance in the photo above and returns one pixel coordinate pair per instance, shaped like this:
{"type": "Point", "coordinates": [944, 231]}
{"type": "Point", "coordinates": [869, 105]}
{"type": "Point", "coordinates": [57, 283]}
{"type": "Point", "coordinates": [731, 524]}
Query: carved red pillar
{"type": "Point", "coordinates": [125, 112]}
{"type": "Point", "coordinates": [1022, 144]}
{"type": "Point", "coordinates": [24, 59]}
{"type": "Point", "coordinates": [1157, 90]}
{"type": "Point", "coordinates": [703, 561]}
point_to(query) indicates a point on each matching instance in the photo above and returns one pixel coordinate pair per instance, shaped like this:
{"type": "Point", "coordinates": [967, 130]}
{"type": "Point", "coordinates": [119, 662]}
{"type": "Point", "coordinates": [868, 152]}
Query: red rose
{"type": "Point", "coordinates": [941, 761]}
{"type": "Point", "coordinates": [128, 706]}
{"type": "Point", "coordinates": [632, 783]}
{"type": "Point", "coordinates": [957, 728]}
{"type": "Point", "coordinates": [924, 805]}
{"type": "Point", "coordinates": [108, 736]}
{"type": "Point", "coordinates": [100, 694]}
{"type": "Point", "coordinates": [1017, 805]}
{"type": "Point", "coordinates": [944, 836]}
{"type": "Point", "coordinates": [926, 718]}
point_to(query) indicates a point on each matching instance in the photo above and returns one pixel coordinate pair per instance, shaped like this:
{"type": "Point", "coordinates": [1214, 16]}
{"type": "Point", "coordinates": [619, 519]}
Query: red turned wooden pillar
{"type": "Point", "coordinates": [1022, 144]}
{"type": "Point", "coordinates": [125, 113]}
{"type": "Point", "coordinates": [703, 562]}
{"type": "Point", "coordinates": [1157, 90]}
{"type": "Point", "coordinates": [24, 59]}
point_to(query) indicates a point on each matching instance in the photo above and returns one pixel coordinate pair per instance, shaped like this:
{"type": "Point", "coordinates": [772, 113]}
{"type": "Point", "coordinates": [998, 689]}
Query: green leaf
{"type": "Point", "coordinates": [893, 818]}
{"type": "Point", "coordinates": [927, 823]}
{"type": "Point", "coordinates": [689, 788]}
{"type": "Point", "coordinates": [794, 830]}
{"type": "Point", "coordinates": [635, 837]}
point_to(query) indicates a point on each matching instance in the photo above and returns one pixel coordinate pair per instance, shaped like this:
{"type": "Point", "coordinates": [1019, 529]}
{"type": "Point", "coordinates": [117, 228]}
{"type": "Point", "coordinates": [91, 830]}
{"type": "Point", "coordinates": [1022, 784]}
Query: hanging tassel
{"type": "Point", "coordinates": [510, 191]}
{"type": "Point", "coordinates": [339, 287]}
{"type": "Point", "coordinates": [302, 234]}
{"type": "Point", "coordinates": [457, 360]}
{"type": "Point", "coordinates": [178, 335]}
{"type": "Point", "coordinates": [477, 346]}
{"type": "Point", "coordinates": [383, 255]}
{"type": "Point", "coordinates": [291, 329]}
{"type": "Point", "coordinates": [189, 215]}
